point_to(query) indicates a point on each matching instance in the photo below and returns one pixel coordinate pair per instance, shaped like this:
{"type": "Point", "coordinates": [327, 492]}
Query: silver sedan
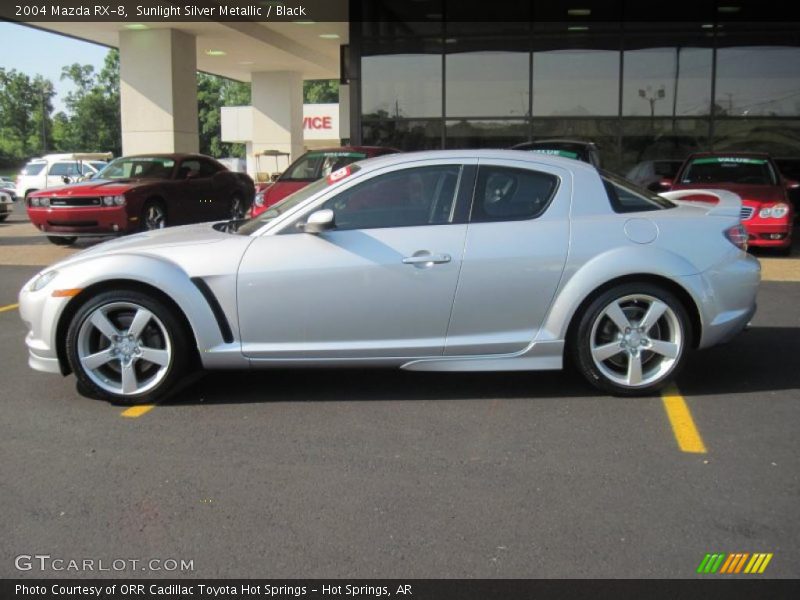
{"type": "Point", "coordinates": [433, 261]}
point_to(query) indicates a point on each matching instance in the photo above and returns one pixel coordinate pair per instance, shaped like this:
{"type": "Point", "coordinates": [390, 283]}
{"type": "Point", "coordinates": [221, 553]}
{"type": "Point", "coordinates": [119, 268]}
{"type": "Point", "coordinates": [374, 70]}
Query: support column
{"type": "Point", "coordinates": [277, 98]}
{"type": "Point", "coordinates": [158, 91]}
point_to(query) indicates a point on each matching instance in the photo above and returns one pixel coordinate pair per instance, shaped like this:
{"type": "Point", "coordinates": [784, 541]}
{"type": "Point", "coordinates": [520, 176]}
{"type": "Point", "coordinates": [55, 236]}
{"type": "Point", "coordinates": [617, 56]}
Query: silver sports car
{"type": "Point", "coordinates": [433, 261]}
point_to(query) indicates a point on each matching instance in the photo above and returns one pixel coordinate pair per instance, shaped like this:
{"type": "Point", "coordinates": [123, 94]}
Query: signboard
{"type": "Point", "coordinates": [321, 122]}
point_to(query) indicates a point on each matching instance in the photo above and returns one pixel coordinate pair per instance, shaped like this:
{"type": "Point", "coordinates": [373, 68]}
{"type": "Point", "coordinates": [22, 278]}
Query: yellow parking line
{"type": "Point", "coordinates": [135, 412]}
{"type": "Point", "coordinates": [686, 433]}
{"type": "Point", "coordinates": [8, 307]}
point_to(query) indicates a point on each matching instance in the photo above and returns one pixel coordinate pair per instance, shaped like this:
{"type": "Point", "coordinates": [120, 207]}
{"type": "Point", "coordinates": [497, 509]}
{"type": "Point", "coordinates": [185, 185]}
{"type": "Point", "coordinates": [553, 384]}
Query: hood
{"type": "Point", "coordinates": [96, 187]}
{"type": "Point", "coordinates": [750, 194]}
{"type": "Point", "coordinates": [280, 189]}
{"type": "Point", "coordinates": [159, 243]}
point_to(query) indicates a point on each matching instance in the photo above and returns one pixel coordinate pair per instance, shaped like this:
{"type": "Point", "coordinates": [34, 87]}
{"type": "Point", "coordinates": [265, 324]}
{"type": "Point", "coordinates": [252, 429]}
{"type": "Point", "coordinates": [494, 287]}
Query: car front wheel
{"type": "Point", "coordinates": [632, 339]}
{"type": "Point", "coordinates": [154, 216]}
{"type": "Point", "coordinates": [127, 347]}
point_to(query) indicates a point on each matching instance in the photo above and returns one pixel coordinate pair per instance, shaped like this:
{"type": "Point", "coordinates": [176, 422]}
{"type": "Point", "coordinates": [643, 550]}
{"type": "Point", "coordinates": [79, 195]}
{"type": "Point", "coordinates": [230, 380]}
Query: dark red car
{"type": "Point", "coordinates": [136, 193]}
{"type": "Point", "coordinates": [767, 214]}
{"type": "Point", "coordinates": [313, 165]}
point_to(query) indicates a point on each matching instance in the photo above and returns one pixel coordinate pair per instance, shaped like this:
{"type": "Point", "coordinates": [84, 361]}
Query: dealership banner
{"type": "Point", "coordinates": [165, 11]}
{"type": "Point", "coordinates": [412, 589]}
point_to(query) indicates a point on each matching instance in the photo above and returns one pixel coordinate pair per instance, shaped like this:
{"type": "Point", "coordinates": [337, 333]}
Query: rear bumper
{"type": "Point", "coordinates": [77, 221]}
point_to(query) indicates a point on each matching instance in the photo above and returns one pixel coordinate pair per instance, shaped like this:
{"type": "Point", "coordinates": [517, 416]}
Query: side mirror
{"type": "Point", "coordinates": [274, 177]}
{"type": "Point", "coordinates": [664, 185]}
{"type": "Point", "coordinates": [66, 179]}
{"type": "Point", "coordinates": [319, 221]}
{"type": "Point", "coordinates": [791, 184]}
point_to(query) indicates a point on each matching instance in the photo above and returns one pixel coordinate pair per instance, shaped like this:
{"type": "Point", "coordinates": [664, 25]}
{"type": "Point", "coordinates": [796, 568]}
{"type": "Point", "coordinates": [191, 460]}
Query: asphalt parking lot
{"type": "Point", "coordinates": [395, 474]}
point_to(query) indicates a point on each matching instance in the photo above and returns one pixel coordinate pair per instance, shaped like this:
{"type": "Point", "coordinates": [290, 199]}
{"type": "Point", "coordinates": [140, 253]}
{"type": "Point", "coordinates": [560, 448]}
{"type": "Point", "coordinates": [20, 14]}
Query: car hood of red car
{"type": "Point", "coordinates": [752, 194]}
{"type": "Point", "coordinates": [96, 187]}
{"type": "Point", "coordinates": [280, 189]}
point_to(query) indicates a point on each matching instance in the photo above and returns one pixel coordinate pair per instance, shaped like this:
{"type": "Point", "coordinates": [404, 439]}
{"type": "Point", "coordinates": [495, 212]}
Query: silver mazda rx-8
{"type": "Point", "coordinates": [433, 261]}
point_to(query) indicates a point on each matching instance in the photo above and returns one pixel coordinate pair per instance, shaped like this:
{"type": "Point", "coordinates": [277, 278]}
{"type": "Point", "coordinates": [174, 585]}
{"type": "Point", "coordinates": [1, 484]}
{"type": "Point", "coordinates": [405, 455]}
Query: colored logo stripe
{"type": "Point", "coordinates": [733, 563]}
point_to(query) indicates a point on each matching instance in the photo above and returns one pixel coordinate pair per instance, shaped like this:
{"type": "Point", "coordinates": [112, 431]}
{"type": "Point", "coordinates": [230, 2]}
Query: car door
{"type": "Point", "coordinates": [196, 192]}
{"type": "Point", "coordinates": [515, 252]}
{"type": "Point", "coordinates": [380, 284]}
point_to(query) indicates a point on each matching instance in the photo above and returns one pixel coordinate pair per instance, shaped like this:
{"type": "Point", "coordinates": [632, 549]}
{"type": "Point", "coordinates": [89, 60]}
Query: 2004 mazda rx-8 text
{"type": "Point", "coordinates": [483, 260]}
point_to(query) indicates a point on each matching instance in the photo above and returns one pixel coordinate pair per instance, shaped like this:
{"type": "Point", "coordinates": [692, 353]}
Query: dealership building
{"type": "Point", "coordinates": [420, 74]}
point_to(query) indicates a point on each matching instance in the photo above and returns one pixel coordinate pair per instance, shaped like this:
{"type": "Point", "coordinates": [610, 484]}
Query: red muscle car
{"type": "Point", "coordinates": [137, 193]}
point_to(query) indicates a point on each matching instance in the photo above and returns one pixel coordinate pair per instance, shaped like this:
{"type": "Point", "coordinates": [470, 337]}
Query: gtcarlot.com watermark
{"type": "Point", "coordinates": [48, 563]}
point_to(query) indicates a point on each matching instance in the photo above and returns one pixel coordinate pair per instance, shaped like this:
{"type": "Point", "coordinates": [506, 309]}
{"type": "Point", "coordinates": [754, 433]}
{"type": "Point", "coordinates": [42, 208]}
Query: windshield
{"type": "Point", "coordinates": [33, 168]}
{"type": "Point", "coordinates": [292, 200]}
{"type": "Point", "coordinates": [314, 165]}
{"type": "Point", "coordinates": [138, 167]}
{"type": "Point", "coordinates": [729, 169]}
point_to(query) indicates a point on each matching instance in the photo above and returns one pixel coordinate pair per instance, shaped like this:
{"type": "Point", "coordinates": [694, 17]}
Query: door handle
{"type": "Point", "coordinates": [423, 259]}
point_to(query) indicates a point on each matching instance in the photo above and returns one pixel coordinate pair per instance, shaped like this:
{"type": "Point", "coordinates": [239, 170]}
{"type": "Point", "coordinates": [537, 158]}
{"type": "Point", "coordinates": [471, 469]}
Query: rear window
{"type": "Point", "coordinates": [729, 169]}
{"type": "Point", "coordinates": [33, 168]}
{"type": "Point", "coordinates": [626, 197]}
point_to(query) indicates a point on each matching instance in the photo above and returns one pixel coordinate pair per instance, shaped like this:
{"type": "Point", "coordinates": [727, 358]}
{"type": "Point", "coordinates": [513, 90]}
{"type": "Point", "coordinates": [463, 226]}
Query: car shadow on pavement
{"type": "Point", "coordinates": [762, 359]}
{"type": "Point", "coordinates": [338, 385]}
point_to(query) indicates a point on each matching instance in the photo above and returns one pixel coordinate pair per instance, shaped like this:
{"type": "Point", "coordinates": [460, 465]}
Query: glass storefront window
{"type": "Point", "coordinates": [780, 138]}
{"type": "Point", "coordinates": [403, 134]}
{"type": "Point", "coordinates": [401, 85]}
{"type": "Point", "coordinates": [466, 133]}
{"type": "Point", "coordinates": [603, 132]}
{"type": "Point", "coordinates": [575, 83]}
{"type": "Point", "coordinates": [485, 83]}
{"type": "Point", "coordinates": [759, 81]}
{"type": "Point", "coordinates": [661, 139]}
{"type": "Point", "coordinates": [667, 82]}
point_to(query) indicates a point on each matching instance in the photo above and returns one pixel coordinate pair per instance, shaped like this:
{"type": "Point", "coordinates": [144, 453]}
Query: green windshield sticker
{"type": "Point", "coordinates": [553, 152]}
{"type": "Point", "coordinates": [718, 160]}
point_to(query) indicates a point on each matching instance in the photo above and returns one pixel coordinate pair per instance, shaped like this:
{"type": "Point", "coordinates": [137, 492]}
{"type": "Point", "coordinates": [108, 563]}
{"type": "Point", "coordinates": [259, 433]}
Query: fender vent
{"type": "Point", "coordinates": [213, 304]}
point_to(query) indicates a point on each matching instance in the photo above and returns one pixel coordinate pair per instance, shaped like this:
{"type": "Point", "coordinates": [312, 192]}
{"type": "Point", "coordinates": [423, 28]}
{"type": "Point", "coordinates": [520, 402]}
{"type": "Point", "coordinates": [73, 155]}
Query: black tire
{"type": "Point", "coordinates": [596, 331]}
{"type": "Point", "coordinates": [163, 333]}
{"type": "Point", "coordinates": [3, 217]}
{"type": "Point", "coordinates": [154, 216]}
{"type": "Point", "coordinates": [61, 241]}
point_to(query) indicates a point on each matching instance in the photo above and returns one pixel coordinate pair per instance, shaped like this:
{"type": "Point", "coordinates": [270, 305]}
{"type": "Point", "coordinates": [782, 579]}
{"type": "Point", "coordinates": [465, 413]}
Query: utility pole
{"type": "Point", "coordinates": [44, 128]}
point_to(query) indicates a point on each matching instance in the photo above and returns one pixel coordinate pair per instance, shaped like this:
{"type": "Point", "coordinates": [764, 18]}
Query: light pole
{"type": "Point", "coordinates": [652, 96]}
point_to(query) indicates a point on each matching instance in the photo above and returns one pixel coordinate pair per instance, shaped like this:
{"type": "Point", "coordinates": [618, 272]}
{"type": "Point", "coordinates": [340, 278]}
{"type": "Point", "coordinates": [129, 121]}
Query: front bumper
{"type": "Point", "coordinates": [769, 233]}
{"type": "Point", "coordinates": [79, 221]}
{"type": "Point", "coordinates": [40, 312]}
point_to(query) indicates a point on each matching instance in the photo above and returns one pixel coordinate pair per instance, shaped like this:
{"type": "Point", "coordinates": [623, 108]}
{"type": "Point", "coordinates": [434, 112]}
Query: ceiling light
{"type": "Point", "coordinates": [216, 52]}
{"type": "Point", "coordinates": [246, 62]}
{"type": "Point", "coordinates": [303, 22]}
{"type": "Point", "coordinates": [729, 9]}
{"type": "Point", "coordinates": [579, 12]}
{"type": "Point", "coordinates": [578, 28]}
{"type": "Point", "coordinates": [329, 36]}
{"type": "Point", "coordinates": [136, 26]}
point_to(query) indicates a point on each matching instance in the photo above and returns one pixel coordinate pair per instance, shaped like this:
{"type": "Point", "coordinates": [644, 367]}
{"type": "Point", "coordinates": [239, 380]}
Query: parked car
{"type": "Point", "coordinates": [575, 149]}
{"type": "Point", "coordinates": [471, 260]}
{"type": "Point", "coordinates": [311, 166]}
{"type": "Point", "coordinates": [790, 169]}
{"type": "Point", "coordinates": [655, 175]}
{"type": "Point", "coordinates": [8, 186]}
{"type": "Point", "coordinates": [767, 214]}
{"type": "Point", "coordinates": [142, 192]}
{"type": "Point", "coordinates": [6, 205]}
{"type": "Point", "coordinates": [54, 170]}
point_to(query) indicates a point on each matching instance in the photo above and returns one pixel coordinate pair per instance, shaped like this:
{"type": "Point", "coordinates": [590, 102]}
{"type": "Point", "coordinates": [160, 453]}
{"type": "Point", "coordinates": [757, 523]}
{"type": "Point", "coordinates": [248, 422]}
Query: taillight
{"type": "Point", "coordinates": [737, 235]}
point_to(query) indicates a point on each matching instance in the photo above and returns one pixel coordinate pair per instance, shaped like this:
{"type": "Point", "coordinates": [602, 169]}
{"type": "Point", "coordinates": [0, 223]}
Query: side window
{"type": "Point", "coordinates": [627, 197]}
{"type": "Point", "coordinates": [406, 198]}
{"type": "Point", "coordinates": [63, 169]}
{"type": "Point", "coordinates": [508, 194]}
{"type": "Point", "coordinates": [207, 168]}
{"type": "Point", "coordinates": [189, 167]}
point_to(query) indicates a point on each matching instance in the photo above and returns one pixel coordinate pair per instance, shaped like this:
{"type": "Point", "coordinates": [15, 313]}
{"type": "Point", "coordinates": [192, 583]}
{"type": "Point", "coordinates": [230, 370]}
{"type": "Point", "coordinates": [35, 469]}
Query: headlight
{"type": "Point", "coordinates": [43, 202]}
{"type": "Point", "coordinates": [112, 200]}
{"type": "Point", "coordinates": [259, 199]}
{"type": "Point", "coordinates": [42, 280]}
{"type": "Point", "coordinates": [776, 211]}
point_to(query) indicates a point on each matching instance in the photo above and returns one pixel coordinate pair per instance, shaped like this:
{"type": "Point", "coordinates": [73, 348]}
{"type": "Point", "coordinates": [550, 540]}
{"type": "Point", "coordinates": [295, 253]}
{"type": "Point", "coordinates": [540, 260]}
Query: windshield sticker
{"type": "Point", "coordinates": [719, 160]}
{"type": "Point", "coordinates": [338, 175]}
{"type": "Point", "coordinates": [553, 152]}
{"type": "Point", "coordinates": [357, 155]}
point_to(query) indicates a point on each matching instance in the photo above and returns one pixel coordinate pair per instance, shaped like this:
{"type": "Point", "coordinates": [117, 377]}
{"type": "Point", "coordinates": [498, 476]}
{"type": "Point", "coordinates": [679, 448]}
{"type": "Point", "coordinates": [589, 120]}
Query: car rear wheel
{"type": "Point", "coordinates": [61, 241]}
{"type": "Point", "coordinates": [127, 347]}
{"type": "Point", "coordinates": [154, 216]}
{"type": "Point", "coordinates": [632, 339]}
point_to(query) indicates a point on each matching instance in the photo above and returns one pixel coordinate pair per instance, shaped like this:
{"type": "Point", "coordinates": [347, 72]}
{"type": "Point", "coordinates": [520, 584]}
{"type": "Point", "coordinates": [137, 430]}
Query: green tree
{"type": "Point", "coordinates": [320, 91]}
{"type": "Point", "coordinates": [93, 121]}
{"type": "Point", "coordinates": [25, 107]}
{"type": "Point", "coordinates": [213, 93]}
